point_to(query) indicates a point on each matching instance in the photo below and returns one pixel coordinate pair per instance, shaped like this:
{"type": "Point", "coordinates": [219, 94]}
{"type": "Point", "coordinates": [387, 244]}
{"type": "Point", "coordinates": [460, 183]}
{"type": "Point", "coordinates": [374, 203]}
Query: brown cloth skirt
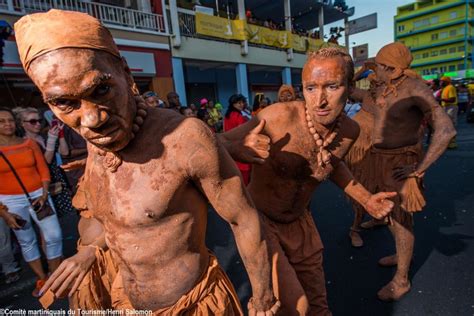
{"type": "Point", "coordinates": [297, 263]}
{"type": "Point", "coordinates": [214, 294]}
{"type": "Point", "coordinates": [410, 197]}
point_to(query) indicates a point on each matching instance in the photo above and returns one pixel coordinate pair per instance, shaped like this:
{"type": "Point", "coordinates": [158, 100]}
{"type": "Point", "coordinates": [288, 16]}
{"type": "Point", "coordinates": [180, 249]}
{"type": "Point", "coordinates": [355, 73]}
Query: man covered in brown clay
{"type": "Point", "coordinates": [388, 154]}
{"type": "Point", "coordinates": [308, 143]}
{"type": "Point", "coordinates": [148, 177]}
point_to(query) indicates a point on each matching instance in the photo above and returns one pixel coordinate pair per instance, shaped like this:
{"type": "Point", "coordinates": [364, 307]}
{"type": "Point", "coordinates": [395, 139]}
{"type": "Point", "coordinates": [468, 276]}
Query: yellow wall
{"type": "Point", "coordinates": [433, 19]}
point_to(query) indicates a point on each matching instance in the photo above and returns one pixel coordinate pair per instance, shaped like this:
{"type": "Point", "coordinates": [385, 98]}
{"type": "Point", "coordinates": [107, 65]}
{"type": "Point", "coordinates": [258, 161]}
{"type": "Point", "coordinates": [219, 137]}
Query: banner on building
{"type": "Point", "coordinates": [220, 27]}
{"type": "Point", "coordinates": [299, 43]}
{"type": "Point", "coordinates": [265, 36]}
{"type": "Point", "coordinates": [215, 26]}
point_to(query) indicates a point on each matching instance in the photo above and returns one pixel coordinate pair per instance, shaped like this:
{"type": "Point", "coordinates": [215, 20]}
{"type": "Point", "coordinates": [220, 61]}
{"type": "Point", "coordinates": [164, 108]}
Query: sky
{"type": "Point", "coordinates": [383, 34]}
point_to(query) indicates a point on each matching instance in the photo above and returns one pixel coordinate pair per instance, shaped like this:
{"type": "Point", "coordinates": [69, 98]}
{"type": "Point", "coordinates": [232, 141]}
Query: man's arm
{"type": "Point", "coordinates": [377, 205]}
{"type": "Point", "coordinates": [444, 131]}
{"type": "Point", "coordinates": [214, 172]}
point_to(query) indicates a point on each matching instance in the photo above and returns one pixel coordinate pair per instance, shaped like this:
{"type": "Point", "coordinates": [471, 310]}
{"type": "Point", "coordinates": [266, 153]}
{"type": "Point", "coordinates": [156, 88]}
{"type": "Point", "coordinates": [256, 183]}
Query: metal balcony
{"type": "Point", "coordinates": [111, 16]}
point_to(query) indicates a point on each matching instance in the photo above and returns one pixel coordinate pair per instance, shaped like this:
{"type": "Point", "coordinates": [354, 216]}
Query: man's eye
{"type": "Point", "coordinates": [101, 90]}
{"type": "Point", "coordinates": [310, 89]}
{"type": "Point", "coordinates": [333, 87]}
{"type": "Point", "coordinates": [64, 104]}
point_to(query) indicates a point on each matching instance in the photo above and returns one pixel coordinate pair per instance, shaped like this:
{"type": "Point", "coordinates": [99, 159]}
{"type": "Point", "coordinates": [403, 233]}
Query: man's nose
{"type": "Point", "coordinates": [92, 116]}
{"type": "Point", "coordinates": [321, 98]}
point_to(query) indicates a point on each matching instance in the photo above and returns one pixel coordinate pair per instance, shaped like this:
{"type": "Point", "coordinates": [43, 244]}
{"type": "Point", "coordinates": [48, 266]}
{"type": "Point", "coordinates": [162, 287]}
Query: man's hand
{"type": "Point", "coordinates": [272, 309]}
{"type": "Point", "coordinates": [13, 221]}
{"type": "Point", "coordinates": [255, 147]}
{"type": "Point", "coordinates": [378, 205]}
{"type": "Point", "coordinates": [70, 272]}
{"type": "Point", "coordinates": [408, 171]}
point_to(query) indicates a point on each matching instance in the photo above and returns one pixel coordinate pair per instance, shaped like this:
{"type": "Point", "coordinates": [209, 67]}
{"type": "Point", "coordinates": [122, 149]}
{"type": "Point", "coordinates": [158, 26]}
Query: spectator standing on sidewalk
{"type": "Point", "coordinates": [26, 158]}
{"type": "Point", "coordinates": [234, 118]}
{"type": "Point", "coordinates": [449, 102]}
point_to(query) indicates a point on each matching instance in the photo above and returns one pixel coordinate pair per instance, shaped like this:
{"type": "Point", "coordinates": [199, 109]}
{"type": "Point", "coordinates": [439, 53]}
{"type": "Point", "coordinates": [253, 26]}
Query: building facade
{"type": "Point", "coordinates": [217, 51]}
{"type": "Point", "coordinates": [439, 34]}
{"type": "Point", "coordinates": [140, 30]}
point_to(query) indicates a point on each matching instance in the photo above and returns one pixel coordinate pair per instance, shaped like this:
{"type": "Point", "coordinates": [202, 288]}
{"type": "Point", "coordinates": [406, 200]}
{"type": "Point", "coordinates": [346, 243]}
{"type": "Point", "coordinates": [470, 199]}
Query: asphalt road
{"type": "Point", "coordinates": [442, 269]}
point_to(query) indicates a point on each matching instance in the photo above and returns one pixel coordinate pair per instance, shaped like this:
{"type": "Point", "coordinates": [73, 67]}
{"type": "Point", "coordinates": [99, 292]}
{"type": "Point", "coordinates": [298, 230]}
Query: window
{"type": "Point", "coordinates": [452, 33]}
{"type": "Point", "coordinates": [434, 20]}
{"type": "Point", "coordinates": [461, 48]}
{"type": "Point", "coordinates": [443, 35]}
{"type": "Point", "coordinates": [401, 28]}
{"type": "Point", "coordinates": [453, 15]}
{"type": "Point", "coordinates": [426, 55]}
{"type": "Point", "coordinates": [417, 56]}
{"type": "Point", "coordinates": [434, 70]}
{"type": "Point", "coordinates": [462, 31]}
{"type": "Point", "coordinates": [443, 51]}
{"type": "Point", "coordinates": [442, 69]}
{"type": "Point", "coordinates": [421, 23]}
{"type": "Point", "coordinates": [434, 53]}
{"type": "Point", "coordinates": [460, 66]}
{"type": "Point", "coordinates": [425, 72]}
{"type": "Point", "coordinates": [434, 36]}
{"type": "Point", "coordinates": [452, 50]}
{"type": "Point", "coordinates": [452, 68]}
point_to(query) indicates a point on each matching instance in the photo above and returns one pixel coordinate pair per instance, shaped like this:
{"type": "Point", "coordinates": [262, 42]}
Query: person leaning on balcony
{"type": "Point", "coordinates": [449, 102]}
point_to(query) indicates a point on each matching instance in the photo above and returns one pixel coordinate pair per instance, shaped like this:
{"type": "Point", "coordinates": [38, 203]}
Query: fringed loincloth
{"type": "Point", "coordinates": [410, 197]}
{"type": "Point", "coordinates": [358, 159]}
{"type": "Point", "coordinates": [214, 294]}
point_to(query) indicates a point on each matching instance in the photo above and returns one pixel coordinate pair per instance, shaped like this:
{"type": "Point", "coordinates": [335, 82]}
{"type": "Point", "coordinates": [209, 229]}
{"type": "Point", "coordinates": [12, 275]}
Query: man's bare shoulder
{"type": "Point", "coordinates": [349, 128]}
{"type": "Point", "coordinates": [281, 112]}
{"type": "Point", "coordinates": [416, 87]}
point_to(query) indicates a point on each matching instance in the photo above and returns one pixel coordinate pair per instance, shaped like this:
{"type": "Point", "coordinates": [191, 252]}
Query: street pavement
{"type": "Point", "coordinates": [442, 269]}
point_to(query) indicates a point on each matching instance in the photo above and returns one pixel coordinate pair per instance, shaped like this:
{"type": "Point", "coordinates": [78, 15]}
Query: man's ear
{"type": "Point", "coordinates": [129, 76]}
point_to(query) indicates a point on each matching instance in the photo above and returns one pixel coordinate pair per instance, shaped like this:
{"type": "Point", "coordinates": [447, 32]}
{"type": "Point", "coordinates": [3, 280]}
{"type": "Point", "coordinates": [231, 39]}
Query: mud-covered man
{"type": "Point", "coordinates": [308, 143]}
{"type": "Point", "coordinates": [149, 175]}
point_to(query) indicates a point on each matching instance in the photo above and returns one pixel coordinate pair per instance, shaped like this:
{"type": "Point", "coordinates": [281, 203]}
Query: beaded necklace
{"type": "Point", "coordinates": [324, 155]}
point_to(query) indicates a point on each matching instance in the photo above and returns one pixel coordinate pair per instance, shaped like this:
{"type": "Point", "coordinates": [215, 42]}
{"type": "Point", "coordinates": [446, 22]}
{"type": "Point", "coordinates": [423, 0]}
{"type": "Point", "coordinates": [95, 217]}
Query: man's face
{"type": "Point", "coordinates": [152, 101]}
{"type": "Point", "coordinates": [173, 100]}
{"type": "Point", "coordinates": [286, 96]}
{"type": "Point", "coordinates": [90, 91]}
{"type": "Point", "coordinates": [325, 88]}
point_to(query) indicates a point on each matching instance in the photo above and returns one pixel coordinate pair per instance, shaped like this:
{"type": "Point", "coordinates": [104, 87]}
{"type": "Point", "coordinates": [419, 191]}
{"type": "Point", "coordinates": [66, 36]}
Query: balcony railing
{"type": "Point", "coordinates": [111, 16]}
{"type": "Point", "coordinates": [187, 27]}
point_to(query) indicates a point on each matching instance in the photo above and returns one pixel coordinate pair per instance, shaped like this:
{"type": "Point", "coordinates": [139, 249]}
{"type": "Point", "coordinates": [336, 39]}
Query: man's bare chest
{"type": "Point", "coordinates": [296, 159]}
{"type": "Point", "coordinates": [134, 194]}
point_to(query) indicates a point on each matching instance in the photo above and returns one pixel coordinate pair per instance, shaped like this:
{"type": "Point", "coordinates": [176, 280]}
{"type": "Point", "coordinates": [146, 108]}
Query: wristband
{"type": "Point", "coordinates": [51, 143]}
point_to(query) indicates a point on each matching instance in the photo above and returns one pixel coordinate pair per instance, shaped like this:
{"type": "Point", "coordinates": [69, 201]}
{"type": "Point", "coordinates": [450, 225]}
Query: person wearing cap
{"type": "Point", "coordinates": [388, 155]}
{"type": "Point", "coordinates": [449, 102]}
{"type": "Point", "coordinates": [149, 176]}
{"type": "Point", "coordinates": [286, 93]}
{"type": "Point", "coordinates": [151, 99]}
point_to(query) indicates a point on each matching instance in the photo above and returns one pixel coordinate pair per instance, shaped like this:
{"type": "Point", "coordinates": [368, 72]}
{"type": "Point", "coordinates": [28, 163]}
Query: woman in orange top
{"type": "Point", "coordinates": [28, 161]}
